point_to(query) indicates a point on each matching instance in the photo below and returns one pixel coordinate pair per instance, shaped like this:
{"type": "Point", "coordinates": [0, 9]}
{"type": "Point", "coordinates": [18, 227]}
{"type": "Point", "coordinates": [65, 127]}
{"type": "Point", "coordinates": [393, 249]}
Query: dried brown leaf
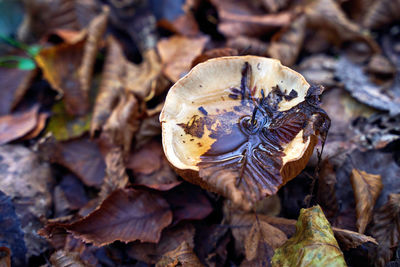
{"type": "Point", "coordinates": [41, 124]}
{"type": "Point", "coordinates": [82, 157]}
{"type": "Point", "coordinates": [62, 258]}
{"type": "Point", "coordinates": [181, 256]}
{"type": "Point", "coordinates": [248, 46]}
{"type": "Point", "coordinates": [185, 24]}
{"type": "Point", "coordinates": [150, 168]}
{"type": "Point", "coordinates": [326, 189]}
{"type": "Point", "coordinates": [213, 53]}
{"type": "Point", "coordinates": [247, 18]}
{"type": "Point", "coordinates": [125, 215]}
{"type": "Point", "coordinates": [171, 238]}
{"type": "Point", "coordinates": [177, 54]}
{"type": "Point", "coordinates": [274, 5]}
{"type": "Point", "coordinates": [329, 17]}
{"type": "Point", "coordinates": [367, 188]}
{"type": "Point", "coordinates": [68, 67]}
{"type": "Point", "coordinates": [15, 82]}
{"type": "Point", "coordinates": [116, 177]}
{"type": "Point", "coordinates": [5, 257]}
{"type": "Point", "coordinates": [259, 230]}
{"type": "Point", "coordinates": [382, 13]}
{"type": "Point", "coordinates": [386, 229]}
{"type": "Point", "coordinates": [17, 125]}
{"type": "Point", "coordinates": [286, 44]}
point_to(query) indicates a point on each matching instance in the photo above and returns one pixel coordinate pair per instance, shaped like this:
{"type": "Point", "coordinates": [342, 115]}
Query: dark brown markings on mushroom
{"type": "Point", "coordinates": [195, 126]}
{"type": "Point", "coordinates": [199, 144]}
{"type": "Point", "coordinates": [203, 110]}
{"type": "Point", "coordinates": [251, 151]}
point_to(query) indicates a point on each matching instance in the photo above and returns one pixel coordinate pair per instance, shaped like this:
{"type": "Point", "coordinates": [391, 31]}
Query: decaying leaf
{"type": "Point", "coordinates": [122, 89]}
{"type": "Point", "coordinates": [42, 17]}
{"type": "Point", "coordinates": [248, 46]}
{"type": "Point", "coordinates": [329, 17]}
{"type": "Point", "coordinates": [64, 126]}
{"type": "Point", "coordinates": [28, 182]}
{"type": "Point", "coordinates": [62, 258]}
{"type": "Point", "coordinates": [11, 234]}
{"type": "Point", "coordinates": [261, 231]}
{"type": "Point", "coordinates": [274, 5]}
{"type": "Point", "coordinates": [116, 177]}
{"type": "Point", "coordinates": [313, 244]}
{"type": "Point", "coordinates": [181, 256]}
{"type": "Point", "coordinates": [150, 168]}
{"type": "Point", "coordinates": [82, 157]}
{"type": "Point", "coordinates": [5, 257]}
{"type": "Point", "coordinates": [319, 69]}
{"type": "Point", "coordinates": [327, 189]}
{"type": "Point", "coordinates": [366, 187]}
{"type": "Point", "coordinates": [213, 53]}
{"type": "Point", "coordinates": [242, 143]}
{"type": "Point", "coordinates": [68, 67]}
{"type": "Point", "coordinates": [382, 13]}
{"type": "Point", "coordinates": [245, 18]}
{"type": "Point", "coordinates": [386, 229]}
{"type": "Point", "coordinates": [17, 125]}
{"type": "Point", "coordinates": [171, 238]}
{"type": "Point", "coordinates": [256, 244]}
{"type": "Point", "coordinates": [15, 82]}
{"type": "Point", "coordinates": [361, 88]}
{"type": "Point", "coordinates": [125, 215]}
{"type": "Point", "coordinates": [177, 54]}
{"type": "Point", "coordinates": [286, 44]}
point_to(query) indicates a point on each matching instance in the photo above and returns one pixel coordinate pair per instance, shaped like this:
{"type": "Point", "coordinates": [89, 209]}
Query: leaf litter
{"type": "Point", "coordinates": [81, 156]}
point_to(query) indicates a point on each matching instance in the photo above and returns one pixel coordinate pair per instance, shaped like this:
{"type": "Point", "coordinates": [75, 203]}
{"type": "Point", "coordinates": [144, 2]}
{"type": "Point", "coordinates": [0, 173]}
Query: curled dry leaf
{"type": "Point", "coordinates": [122, 88]}
{"type": "Point", "coordinates": [181, 256]}
{"type": "Point", "coordinates": [12, 237]}
{"type": "Point", "coordinates": [15, 82]}
{"type": "Point", "coordinates": [365, 91]}
{"type": "Point", "coordinates": [68, 67]}
{"type": "Point", "coordinates": [17, 125]}
{"type": "Point", "coordinates": [366, 187]}
{"type": "Point", "coordinates": [62, 258]}
{"type": "Point", "coordinates": [287, 43]}
{"type": "Point", "coordinates": [313, 244]}
{"type": "Point", "coordinates": [242, 143]}
{"type": "Point", "coordinates": [262, 231]}
{"type": "Point", "coordinates": [256, 244]}
{"type": "Point", "coordinates": [177, 54]}
{"type": "Point", "coordinates": [245, 18]}
{"type": "Point", "coordinates": [125, 215]}
{"type": "Point", "coordinates": [386, 229]}
{"type": "Point", "coordinates": [171, 238]}
{"type": "Point", "coordinates": [116, 177]}
{"type": "Point", "coordinates": [382, 13]}
{"type": "Point", "coordinates": [248, 46]}
{"type": "Point", "coordinates": [43, 17]}
{"type": "Point", "coordinates": [150, 168]}
{"type": "Point", "coordinates": [82, 157]}
{"type": "Point", "coordinates": [328, 16]}
{"type": "Point", "coordinates": [5, 257]}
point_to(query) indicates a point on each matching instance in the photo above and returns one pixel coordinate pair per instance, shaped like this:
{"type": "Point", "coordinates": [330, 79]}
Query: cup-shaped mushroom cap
{"type": "Point", "coordinates": [241, 126]}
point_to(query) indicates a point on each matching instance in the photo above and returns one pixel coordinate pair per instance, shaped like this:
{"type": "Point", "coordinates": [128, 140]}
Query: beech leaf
{"type": "Point", "coordinates": [125, 215]}
{"type": "Point", "coordinates": [367, 188]}
{"type": "Point", "coordinates": [313, 244]}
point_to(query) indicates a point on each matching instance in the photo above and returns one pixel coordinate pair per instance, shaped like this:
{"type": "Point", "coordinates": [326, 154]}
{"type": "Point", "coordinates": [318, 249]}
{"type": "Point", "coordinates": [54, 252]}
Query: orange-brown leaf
{"type": "Point", "coordinates": [5, 257]}
{"type": "Point", "coordinates": [213, 53]}
{"type": "Point", "coordinates": [286, 45]}
{"type": "Point", "coordinates": [177, 54]}
{"type": "Point", "coordinates": [16, 125]}
{"type": "Point", "coordinates": [181, 256]}
{"type": "Point", "coordinates": [125, 215]}
{"type": "Point", "coordinates": [386, 229]}
{"type": "Point", "coordinates": [367, 188]}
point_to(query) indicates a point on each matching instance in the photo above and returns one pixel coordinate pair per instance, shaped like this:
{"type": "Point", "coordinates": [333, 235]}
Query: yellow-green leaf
{"type": "Point", "coordinates": [313, 244]}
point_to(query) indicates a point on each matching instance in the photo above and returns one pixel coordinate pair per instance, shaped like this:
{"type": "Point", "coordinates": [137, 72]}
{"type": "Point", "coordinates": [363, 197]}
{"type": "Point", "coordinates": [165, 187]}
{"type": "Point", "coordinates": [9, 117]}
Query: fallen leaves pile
{"type": "Point", "coordinates": [83, 176]}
